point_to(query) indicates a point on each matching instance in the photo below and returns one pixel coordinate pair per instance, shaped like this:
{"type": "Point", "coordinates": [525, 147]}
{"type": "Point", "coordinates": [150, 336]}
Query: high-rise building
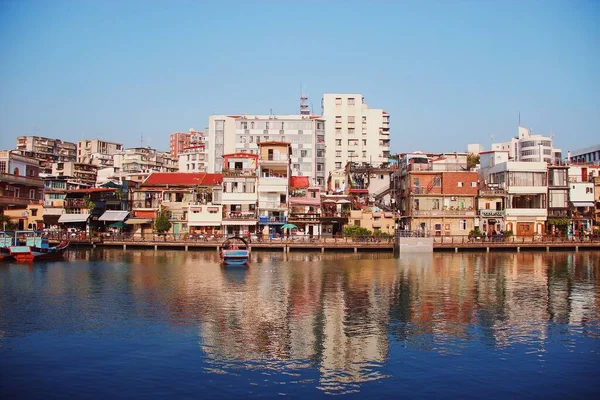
{"type": "Point", "coordinates": [180, 141]}
{"type": "Point", "coordinates": [46, 150]}
{"type": "Point", "coordinates": [242, 134]}
{"type": "Point", "coordinates": [97, 152]}
{"type": "Point", "coordinates": [354, 132]}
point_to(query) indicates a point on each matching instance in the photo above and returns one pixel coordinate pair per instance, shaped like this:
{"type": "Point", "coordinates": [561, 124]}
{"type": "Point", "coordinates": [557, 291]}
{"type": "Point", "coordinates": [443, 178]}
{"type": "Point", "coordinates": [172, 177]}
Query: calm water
{"type": "Point", "coordinates": [114, 324]}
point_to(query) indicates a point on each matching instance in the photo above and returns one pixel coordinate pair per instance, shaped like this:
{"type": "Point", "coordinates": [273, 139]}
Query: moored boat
{"type": "Point", "coordinates": [235, 251]}
{"type": "Point", "coordinates": [33, 246]}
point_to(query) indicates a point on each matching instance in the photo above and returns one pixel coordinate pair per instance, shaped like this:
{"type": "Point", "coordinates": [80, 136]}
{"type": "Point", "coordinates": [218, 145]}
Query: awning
{"type": "Point", "coordinates": [51, 219]}
{"type": "Point", "coordinates": [299, 182]}
{"type": "Point", "coordinates": [376, 224]}
{"type": "Point", "coordinates": [68, 218]}
{"type": "Point", "coordinates": [138, 221]}
{"type": "Point", "coordinates": [388, 215]}
{"type": "Point", "coordinates": [582, 203]}
{"type": "Point", "coordinates": [113, 216]}
{"type": "Point", "coordinates": [204, 223]}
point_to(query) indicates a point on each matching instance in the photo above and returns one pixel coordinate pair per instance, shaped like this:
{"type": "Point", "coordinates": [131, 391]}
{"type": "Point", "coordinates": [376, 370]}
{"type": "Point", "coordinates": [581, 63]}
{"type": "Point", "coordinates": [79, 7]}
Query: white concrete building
{"type": "Point", "coordinates": [229, 134]}
{"type": "Point", "coordinates": [193, 159]}
{"type": "Point", "coordinates": [137, 163]}
{"type": "Point", "coordinates": [526, 189]}
{"type": "Point", "coordinates": [97, 152]}
{"type": "Point", "coordinates": [354, 132]}
{"type": "Point", "coordinates": [273, 186]}
{"type": "Point", "coordinates": [240, 193]}
{"type": "Point", "coordinates": [530, 147]}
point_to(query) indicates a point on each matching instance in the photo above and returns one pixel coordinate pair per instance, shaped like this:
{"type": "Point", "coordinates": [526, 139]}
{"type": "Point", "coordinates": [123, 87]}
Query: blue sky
{"type": "Point", "coordinates": [448, 72]}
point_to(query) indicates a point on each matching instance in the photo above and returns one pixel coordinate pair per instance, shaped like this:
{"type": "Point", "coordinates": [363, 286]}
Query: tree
{"type": "Point", "coordinates": [10, 226]}
{"type": "Point", "coordinates": [162, 223]}
{"type": "Point", "coordinates": [472, 160]}
{"type": "Point", "coordinates": [355, 230]}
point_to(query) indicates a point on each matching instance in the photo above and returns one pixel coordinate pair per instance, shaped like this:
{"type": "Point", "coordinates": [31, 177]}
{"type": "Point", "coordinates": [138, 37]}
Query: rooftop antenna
{"type": "Point", "coordinates": [303, 102]}
{"type": "Point", "coordinates": [142, 139]}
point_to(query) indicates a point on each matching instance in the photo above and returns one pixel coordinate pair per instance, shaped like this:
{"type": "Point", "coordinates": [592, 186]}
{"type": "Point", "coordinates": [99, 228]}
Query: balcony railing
{"type": "Point", "coordinates": [239, 172]}
{"type": "Point", "coordinates": [304, 217]}
{"type": "Point", "coordinates": [492, 192]}
{"type": "Point", "coordinates": [272, 219]}
{"type": "Point", "coordinates": [21, 180]}
{"type": "Point", "coordinates": [492, 213]}
{"type": "Point", "coordinates": [239, 215]}
{"type": "Point", "coordinates": [16, 201]}
{"type": "Point", "coordinates": [443, 213]}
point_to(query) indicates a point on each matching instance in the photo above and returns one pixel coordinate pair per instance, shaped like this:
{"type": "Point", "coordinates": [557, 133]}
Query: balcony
{"type": "Point", "coordinates": [250, 215]}
{"type": "Point", "coordinates": [272, 205]}
{"type": "Point", "coordinates": [304, 217]}
{"type": "Point", "coordinates": [16, 201]}
{"type": "Point", "coordinates": [239, 173]}
{"type": "Point", "coordinates": [526, 212]}
{"type": "Point", "coordinates": [492, 193]}
{"type": "Point", "coordinates": [21, 180]}
{"type": "Point", "coordinates": [443, 213]}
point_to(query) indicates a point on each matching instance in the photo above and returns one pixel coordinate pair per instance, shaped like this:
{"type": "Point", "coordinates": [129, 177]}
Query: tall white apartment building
{"type": "Point", "coordinates": [229, 134]}
{"type": "Point", "coordinates": [529, 147]}
{"type": "Point", "coordinates": [354, 132]}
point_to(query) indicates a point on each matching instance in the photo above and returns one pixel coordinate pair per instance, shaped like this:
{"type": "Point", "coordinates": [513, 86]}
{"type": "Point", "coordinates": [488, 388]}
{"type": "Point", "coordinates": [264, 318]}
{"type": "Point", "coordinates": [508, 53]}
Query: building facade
{"type": "Point", "coordinates": [20, 184]}
{"type": "Point", "coordinates": [46, 150]}
{"type": "Point", "coordinates": [354, 132]}
{"type": "Point", "coordinates": [97, 152]}
{"type": "Point", "coordinates": [180, 141]}
{"type": "Point", "coordinates": [243, 133]}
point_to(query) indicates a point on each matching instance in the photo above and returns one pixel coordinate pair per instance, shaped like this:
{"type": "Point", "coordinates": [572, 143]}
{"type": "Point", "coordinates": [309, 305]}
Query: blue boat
{"type": "Point", "coordinates": [235, 251]}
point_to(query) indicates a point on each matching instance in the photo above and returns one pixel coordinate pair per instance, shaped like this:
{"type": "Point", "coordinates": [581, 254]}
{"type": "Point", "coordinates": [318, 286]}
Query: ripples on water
{"type": "Point", "coordinates": [174, 324]}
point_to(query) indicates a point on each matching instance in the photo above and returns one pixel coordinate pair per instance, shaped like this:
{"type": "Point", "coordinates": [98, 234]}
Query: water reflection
{"type": "Point", "coordinates": [291, 315]}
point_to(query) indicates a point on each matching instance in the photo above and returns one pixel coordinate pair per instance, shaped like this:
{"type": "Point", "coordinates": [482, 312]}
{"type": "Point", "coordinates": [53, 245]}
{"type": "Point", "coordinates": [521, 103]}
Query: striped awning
{"type": "Point", "coordinates": [67, 218]}
{"type": "Point", "coordinates": [113, 216]}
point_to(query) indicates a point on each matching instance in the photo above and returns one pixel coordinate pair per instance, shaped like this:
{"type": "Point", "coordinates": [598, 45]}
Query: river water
{"type": "Point", "coordinates": [173, 324]}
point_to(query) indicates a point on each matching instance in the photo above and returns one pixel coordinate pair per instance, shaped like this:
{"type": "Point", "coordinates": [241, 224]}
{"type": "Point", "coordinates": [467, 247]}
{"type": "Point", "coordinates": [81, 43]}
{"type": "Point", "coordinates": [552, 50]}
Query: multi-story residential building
{"type": "Point", "coordinates": [136, 164]}
{"type": "Point", "coordinates": [273, 186]}
{"type": "Point", "coordinates": [84, 207]}
{"type": "Point", "coordinates": [530, 147]}
{"type": "Point", "coordinates": [305, 206]}
{"type": "Point", "coordinates": [240, 193]}
{"type": "Point", "coordinates": [368, 185]}
{"type": "Point", "coordinates": [20, 184]}
{"type": "Point", "coordinates": [243, 133]}
{"type": "Point", "coordinates": [589, 155]}
{"type": "Point", "coordinates": [79, 174]}
{"type": "Point", "coordinates": [179, 141]}
{"type": "Point", "coordinates": [558, 198]}
{"type": "Point", "coordinates": [526, 190]}
{"type": "Point", "coordinates": [354, 132]}
{"type": "Point", "coordinates": [189, 198]}
{"type": "Point", "coordinates": [436, 194]}
{"type": "Point", "coordinates": [46, 150]}
{"type": "Point", "coordinates": [97, 152]}
{"type": "Point", "coordinates": [581, 197]}
{"type": "Point", "coordinates": [193, 159]}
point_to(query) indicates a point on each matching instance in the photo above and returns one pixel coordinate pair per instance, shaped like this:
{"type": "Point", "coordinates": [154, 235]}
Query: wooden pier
{"type": "Point", "coordinates": [347, 244]}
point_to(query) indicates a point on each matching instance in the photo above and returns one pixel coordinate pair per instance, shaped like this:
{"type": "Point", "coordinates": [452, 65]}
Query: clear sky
{"type": "Point", "coordinates": [448, 72]}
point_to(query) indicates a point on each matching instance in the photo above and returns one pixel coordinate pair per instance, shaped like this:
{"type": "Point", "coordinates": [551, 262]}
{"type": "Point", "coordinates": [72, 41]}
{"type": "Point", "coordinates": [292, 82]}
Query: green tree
{"type": "Point", "coordinates": [355, 230]}
{"type": "Point", "coordinates": [10, 226]}
{"type": "Point", "coordinates": [472, 160]}
{"type": "Point", "coordinates": [162, 223]}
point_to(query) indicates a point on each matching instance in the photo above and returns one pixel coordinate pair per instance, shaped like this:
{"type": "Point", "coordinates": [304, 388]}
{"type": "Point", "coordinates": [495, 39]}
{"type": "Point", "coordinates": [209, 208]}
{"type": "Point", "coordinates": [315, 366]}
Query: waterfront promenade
{"type": "Point", "coordinates": [355, 244]}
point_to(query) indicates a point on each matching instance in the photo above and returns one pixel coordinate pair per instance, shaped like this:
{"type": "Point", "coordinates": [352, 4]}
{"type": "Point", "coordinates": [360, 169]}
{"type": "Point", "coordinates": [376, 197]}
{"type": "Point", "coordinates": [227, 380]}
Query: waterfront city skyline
{"type": "Point", "coordinates": [448, 73]}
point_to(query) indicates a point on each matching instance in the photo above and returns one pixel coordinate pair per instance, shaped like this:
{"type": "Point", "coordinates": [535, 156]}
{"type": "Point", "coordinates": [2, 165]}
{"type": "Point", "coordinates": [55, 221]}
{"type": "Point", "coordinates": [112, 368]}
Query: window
{"type": "Point", "coordinates": [351, 119]}
{"type": "Point", "coordinates": [338, 101]}
{"type": "Point", "coordinates": [338, 131]}
{"type": "Point", "coordinates": [338, 119]}
{"type": "Point", "coordinates": [416, 182]}
{"type": "Point", "coordinates": [338, 165]}
{"type": "Point", "coordinates": [436, 204]}
{"type": "Point", "coordinates": [460, 184]}
{"type": "Point", "coordinates": [357, 222]}
{"type": "Point", "coordinates": [338, 153]}
{"type": "Point", "coordinates": [338, 142]}
{"type": "Point", "coordinates": [364, 142]}
{"type": "Point", "coordinates": [32, 193]}
{"type": "Point", "coordinates": [364, 154]}
{"type": "Point", "coordinates": [213, 210]}
{"type": "Point", "coordinates": [296, 167]}
{"type": "Point", "coordinates": [350, 101]}
{"type": "Point", "coordinates": [463, 224]}
{"type": "Point", "coordinates": [416, 204]}
{"type": "Point", "coordinates": [34, 212]}
{"type": "Point", "coordinates": [473, 184]}
{"type": "Point", "coordinates": [350, 131]}
{"type": "Point", "coordinates": [437, 181]}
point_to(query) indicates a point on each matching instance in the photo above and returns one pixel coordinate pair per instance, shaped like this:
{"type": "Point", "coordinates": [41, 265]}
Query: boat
{"type": "Point", "coordinates": [6, 240]}
{"type": "Point", "coordinates": [33, 246]}
{"type": "Point", "coordinates": [235, 251]}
